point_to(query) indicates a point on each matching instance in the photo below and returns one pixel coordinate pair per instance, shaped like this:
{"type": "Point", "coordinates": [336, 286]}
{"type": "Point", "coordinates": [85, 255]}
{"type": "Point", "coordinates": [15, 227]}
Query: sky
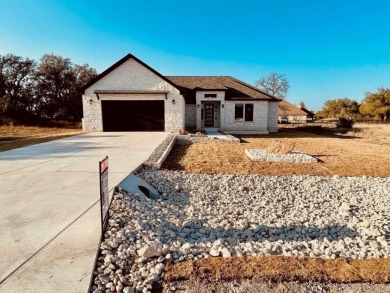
{"type": "Point", "coordinates": [327, 49]}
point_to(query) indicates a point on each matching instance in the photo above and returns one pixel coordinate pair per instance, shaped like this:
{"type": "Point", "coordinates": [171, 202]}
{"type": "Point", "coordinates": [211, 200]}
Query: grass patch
{"type": "Point", "coordinates": [12, 137]}
{"type": "Point", "coordinates": [281, 268]}
{"type": "Point", "coordinates": [341, 154]}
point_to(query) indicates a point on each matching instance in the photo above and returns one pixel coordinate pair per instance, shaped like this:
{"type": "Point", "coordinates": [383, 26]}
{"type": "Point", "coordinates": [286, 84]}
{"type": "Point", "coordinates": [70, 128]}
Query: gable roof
{"type": "Point", "coordinates": [288, 109]}
{"type": "Point", "coordinates": [119, 63]}
{"type": "Point", "coordinates": [309, 113]}
{"type": "Point", "coordinates": [234, 88]}
{"type": "Point", "coordinates": [188, 85]}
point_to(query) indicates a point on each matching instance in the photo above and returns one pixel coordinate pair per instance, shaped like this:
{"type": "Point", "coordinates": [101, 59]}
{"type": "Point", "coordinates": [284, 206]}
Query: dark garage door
{"type": "Point", "coordinates": [133, 115]}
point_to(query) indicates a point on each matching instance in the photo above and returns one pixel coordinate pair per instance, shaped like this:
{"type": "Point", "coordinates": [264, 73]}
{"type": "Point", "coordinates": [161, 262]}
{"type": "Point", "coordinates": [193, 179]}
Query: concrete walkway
{"type": "Point", "coordinates": [215, 134]}
{"type": "Point", "coordinates": [50, 211]}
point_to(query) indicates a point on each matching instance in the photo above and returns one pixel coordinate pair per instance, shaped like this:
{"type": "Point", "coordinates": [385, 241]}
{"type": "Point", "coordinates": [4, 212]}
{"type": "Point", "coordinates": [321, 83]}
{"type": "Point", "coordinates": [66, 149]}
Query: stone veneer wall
{"type": "Point", "coordinates": [260, 117]}
{"type": "Point", "coordinates": [190, 121]}
{"type": "Point", "coordinates": [131, 75]}
{"type": "Point", "coordinates": [272, 122]}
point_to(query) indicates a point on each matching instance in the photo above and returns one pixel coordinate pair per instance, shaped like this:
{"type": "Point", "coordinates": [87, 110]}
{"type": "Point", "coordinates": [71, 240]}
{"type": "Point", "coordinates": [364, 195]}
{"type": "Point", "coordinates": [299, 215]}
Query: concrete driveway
{"type": "Point", "coordinates": [50, 211]}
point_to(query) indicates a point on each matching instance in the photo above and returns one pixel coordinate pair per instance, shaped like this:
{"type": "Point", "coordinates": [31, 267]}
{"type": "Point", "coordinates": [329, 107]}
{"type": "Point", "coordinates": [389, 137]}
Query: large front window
{"type": "Point", "coordinates": [243, 112]}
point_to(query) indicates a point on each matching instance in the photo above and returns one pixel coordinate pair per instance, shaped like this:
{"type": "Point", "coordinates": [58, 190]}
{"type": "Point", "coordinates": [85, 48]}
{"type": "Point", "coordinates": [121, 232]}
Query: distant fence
{"type": "Point", "coordinates": [365, 121]}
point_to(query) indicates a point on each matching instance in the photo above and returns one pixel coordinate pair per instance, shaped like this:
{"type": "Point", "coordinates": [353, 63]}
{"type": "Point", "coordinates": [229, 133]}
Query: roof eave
{"type": "Point", "coordinates": [119, 63]}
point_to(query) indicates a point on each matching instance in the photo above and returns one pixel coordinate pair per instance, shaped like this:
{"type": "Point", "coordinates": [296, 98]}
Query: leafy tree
{"type": "Point", "coordinates": [344, 107]}
{"type": "Point", "coordinates": [16, 84]}
{"type": "Point", "coordinates": [274, 84]}
{"type": "Point", "coordinates": [376, 104]}
{"type": "Point", "coordinates": [59, 87]}
{"type": "Point", "coordinates": [82, 75]}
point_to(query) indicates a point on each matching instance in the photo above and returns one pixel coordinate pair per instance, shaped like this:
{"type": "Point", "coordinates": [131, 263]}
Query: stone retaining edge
{"type": "Point", "coordinates": [165, 154]}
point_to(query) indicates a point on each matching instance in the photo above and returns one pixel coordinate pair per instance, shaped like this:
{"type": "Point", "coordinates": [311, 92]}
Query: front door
{"type": "Point", "coordinates": [209, 115]}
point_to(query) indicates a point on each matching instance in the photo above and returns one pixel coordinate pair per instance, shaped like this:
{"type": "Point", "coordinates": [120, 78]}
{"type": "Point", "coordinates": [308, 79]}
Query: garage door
{"type": "Point", "coordinates": [133, 115]}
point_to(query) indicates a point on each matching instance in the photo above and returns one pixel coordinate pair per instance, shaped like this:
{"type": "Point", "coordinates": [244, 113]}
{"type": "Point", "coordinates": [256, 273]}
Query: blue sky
{"type": "Point", "coordinates": [328, 49]}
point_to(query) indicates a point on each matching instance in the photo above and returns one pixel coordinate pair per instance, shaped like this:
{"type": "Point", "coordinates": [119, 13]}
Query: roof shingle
{"type": "Point", "coordinates": [287, 109]}
{"type": "Point", "coordinates": [234, 88]}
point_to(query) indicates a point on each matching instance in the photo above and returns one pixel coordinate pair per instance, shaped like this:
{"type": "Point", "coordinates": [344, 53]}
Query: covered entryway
{"type": "Point", "coordinates": [133, 115]}
{"type": "Point", "coordinates": [210, 114]}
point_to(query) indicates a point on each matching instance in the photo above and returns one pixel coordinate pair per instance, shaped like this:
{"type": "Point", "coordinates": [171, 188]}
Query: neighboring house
{"type": "Point", "coordinates": [310, 115]}
{"type": "Point", "coordinates": [132, 96]}
{"type": "Point", "coordinates": [289, 113]}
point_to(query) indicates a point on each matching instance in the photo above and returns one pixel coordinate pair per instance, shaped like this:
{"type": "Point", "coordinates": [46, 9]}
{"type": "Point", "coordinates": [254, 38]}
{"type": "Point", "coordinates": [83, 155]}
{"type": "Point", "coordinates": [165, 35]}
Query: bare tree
{"type": "Point", "coordinates": [275, 84]}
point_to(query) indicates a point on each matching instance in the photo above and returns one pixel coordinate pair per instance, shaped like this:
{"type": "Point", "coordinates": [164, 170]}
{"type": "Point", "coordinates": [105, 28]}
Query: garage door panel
{"type": "Point", "coordinates": [133, 115]}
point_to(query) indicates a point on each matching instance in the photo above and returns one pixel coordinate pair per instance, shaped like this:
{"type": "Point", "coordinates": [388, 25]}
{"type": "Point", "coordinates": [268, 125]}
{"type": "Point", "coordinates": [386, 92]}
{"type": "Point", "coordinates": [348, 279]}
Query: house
{"type": "Point", "coordinates": [310, 115]}
{"type": "Point", "coordinates": [288, 113]}
{"type": "Point", "coordinates": [132, 96]}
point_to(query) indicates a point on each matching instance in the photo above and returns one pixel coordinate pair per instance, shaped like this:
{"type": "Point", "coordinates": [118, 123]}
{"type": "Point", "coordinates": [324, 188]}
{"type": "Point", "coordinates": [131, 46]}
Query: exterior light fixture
{"type": "Point", "coordinates": [223, 106]}
{"type": "Point", "coordinates": [198, 106]}
{"type": "Point", "coordinates": [173, 102]}
{"type": "Point", "coordinates": [90, 101]}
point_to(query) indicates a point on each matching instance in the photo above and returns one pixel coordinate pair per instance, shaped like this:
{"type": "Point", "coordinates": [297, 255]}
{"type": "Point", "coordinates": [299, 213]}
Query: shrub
{"type": "Point", "coordinates": [345, 123]}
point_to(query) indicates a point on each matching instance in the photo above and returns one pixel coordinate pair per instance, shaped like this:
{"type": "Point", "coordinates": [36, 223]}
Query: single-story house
{"type": "Point", "coordinates": [310, 115]}
{"type": "Point", "coordinates": [289, 113]}
{"type": "Point", "coordinates": [132, 96]}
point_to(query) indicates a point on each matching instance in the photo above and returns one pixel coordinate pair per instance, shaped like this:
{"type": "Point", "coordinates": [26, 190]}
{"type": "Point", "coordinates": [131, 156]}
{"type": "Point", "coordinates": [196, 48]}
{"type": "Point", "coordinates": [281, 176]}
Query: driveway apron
{"type": "Point", "coordinates": [50, 210]}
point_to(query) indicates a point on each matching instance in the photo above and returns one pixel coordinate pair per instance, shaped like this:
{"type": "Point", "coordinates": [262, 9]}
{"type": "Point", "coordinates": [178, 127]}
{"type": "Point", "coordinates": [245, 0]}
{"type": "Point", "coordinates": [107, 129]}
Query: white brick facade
{"type": "Point", "coordinates": [190, 114]}
{"type": "Point", "coordinates": [218, 100]}
{"type": "Point", "coordinates": [132, 75]}
{"type": "Point", "coordinates": [260, 117]}
{"type": "Point", "coordinates": [132, 80]}
{"type": "Point", "coordinates": [272, 123]}
{"type": "Point", "coordinates": [264, 114]}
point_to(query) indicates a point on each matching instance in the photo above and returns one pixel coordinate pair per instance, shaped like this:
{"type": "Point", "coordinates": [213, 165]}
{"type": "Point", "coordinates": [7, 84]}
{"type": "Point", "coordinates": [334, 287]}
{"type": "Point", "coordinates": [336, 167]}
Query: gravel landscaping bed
{"type": "Point", "coordinates": [204, 216]}
{"type": "Point", "coordinates": [294, 157]}
{"type": "Point", "coordinates": [156, 159]}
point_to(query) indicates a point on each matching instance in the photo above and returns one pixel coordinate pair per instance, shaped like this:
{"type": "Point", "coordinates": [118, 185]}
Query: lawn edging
{"type": "Point", "coordinates": [157, 158]}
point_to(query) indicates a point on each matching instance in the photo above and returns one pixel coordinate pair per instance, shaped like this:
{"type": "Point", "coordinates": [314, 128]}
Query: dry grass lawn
{"type": "Point", "coordinates": [281, 268]}
{"type": "Point", "coordinates": [12, 137]}
{"type": "Point", "coordinates": [342, 154]}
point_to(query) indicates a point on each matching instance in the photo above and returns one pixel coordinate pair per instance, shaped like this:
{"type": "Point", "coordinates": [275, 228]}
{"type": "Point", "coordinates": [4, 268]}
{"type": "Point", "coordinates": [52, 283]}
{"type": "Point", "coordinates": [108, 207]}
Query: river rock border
{"type": "Point", "coordinates": [214, 215]}
{"type": "Point", "coordinates": [157, 158]}
{"type": "Point", "coordinates": [188, 139]}
{"type": "Point", "coordinates": [295, 157]}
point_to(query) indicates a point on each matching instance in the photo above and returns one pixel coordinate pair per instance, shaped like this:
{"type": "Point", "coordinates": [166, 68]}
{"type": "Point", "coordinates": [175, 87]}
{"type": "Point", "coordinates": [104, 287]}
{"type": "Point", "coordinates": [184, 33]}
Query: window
{"type": "Point", "coordinates": [243, 111]}
{"type": "Point", "coordinates": [239, 112]}
{"type": "Point", "coordinates": [210, 95]}
{"type": "Point", "coordinates": [248, 112]}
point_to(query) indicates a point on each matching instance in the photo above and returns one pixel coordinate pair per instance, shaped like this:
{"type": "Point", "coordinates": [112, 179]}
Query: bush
{"type": "Point", "coordinates": [345, 123]}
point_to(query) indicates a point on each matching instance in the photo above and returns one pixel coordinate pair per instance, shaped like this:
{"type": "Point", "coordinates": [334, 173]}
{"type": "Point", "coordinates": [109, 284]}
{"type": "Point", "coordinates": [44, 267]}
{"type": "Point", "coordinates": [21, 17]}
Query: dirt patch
{"type": "Point", "coordinates": [12, 137]}
{"type": "Point", "coordinates": [338, 154]}
{"type": "Point", "coordinates": [248, 286]}
{"type": "Point", "coordinates": [281, 269]}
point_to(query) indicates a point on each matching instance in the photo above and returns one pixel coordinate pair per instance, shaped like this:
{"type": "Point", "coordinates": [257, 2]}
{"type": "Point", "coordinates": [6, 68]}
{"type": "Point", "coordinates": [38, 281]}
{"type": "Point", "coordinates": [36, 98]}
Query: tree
{"type": "Point", "coordinates": [59, 87]}
{"type": "Point", "coordinates": [82, 75]}
{"type": "Point", "coordinates": [337, 108]}
{"type": "Point", "coordinates": [274, 84]}
{"type": "Point", "coordinates": [16, 84]}
{"type": "Point", "coordinates": [302, 105]}
{"type": "Point", "coordinates": [376, 104]}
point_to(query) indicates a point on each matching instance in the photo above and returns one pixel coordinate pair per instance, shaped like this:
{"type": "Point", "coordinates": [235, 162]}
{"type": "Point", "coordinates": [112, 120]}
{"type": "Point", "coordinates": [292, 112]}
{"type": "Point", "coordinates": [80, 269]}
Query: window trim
{"type": "Point", "coordinates": [210, 96]}
{"type": "Point", "coordinates": [253, 107]}
{"type": "Point", "coordinates": [235, 111]}
{"type": "Point", "coordinates": [243, 112]}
